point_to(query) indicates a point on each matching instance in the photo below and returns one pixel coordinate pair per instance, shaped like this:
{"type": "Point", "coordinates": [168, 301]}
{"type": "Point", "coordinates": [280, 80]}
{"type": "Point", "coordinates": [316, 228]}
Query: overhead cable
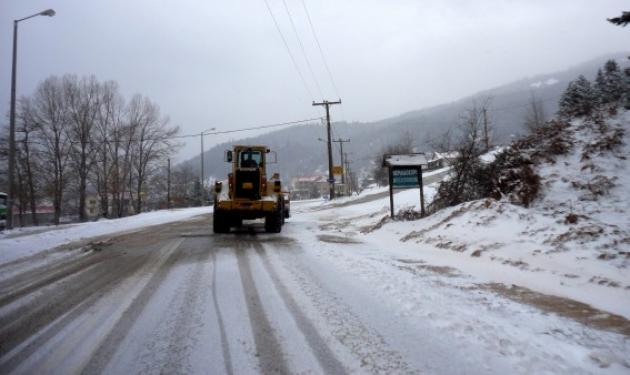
{"type": "Point", "coordinates": [286, 45]}
{"type": "Point", "coordinates": [297, 36]}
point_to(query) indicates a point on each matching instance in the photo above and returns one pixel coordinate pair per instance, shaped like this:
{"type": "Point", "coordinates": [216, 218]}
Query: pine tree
{"type": "Point", "coordinates": [600, 86]}
{"type": "Point", "coordinates": [613, 83]}
{"type": "Point", "coordinates": [579, 99]}
{"type": "Point", "coordinates": [622, 20]}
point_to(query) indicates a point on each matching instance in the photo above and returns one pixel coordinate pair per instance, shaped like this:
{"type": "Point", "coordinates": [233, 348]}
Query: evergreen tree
{"type": "Point", "coordinates": [600, 86]}
{"type": "Point", "coordinates": [622, 20]}
{"type": "Point", "coordinates": [579, 99]}
{"type": "Point", "coordinates": [612, 90]}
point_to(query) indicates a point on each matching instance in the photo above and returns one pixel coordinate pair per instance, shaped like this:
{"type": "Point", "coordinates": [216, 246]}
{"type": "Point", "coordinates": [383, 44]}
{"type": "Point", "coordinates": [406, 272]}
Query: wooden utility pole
{"type": "Point", "coordinates": [168, 183]}
{"type": "Point", "coordinates": [341, 154]}
{"type": "Point", "coordinates": [201, 190]}
{"type": "Point", "coordinates": [331, 177]}
{"type": "Point", "coordinates": [347, 170]}
{"type": "Point", "coordinates": [486, 136]}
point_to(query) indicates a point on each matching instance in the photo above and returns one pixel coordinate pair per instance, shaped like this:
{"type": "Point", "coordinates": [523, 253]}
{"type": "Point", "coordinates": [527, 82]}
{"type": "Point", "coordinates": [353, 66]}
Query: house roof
{"type": "Point", "coordinates": [309, 179]}
{"type": "Point", "coordinates": [405, 160]}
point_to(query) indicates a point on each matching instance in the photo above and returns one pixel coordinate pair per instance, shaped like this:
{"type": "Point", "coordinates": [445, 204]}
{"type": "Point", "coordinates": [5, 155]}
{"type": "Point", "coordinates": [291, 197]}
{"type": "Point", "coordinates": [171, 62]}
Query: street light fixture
{"type": "Point", "coordinates": [48, 12]}
{"type": "Point", "coordinates": [11, 197]}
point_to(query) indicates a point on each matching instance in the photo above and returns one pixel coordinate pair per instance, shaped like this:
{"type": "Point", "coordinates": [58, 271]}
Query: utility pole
{"type": "Point", "coordinates": [201, 190]}
{"type": "Point", "coordinates": [347, 170]}
{"type": "Point", "coordinates": [331, 177]}
{"type": "Point", "coordinates": [341, 155]}
{"type": "Point", "coordinates": [168, 184]}
{"type": "Point", "coordinates": [486, 136]}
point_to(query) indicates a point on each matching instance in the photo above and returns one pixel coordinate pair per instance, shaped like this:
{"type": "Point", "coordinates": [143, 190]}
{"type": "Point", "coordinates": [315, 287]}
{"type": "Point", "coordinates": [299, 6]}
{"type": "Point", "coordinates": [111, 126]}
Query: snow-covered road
{"type": "Point", "coordinates": [175, 298]}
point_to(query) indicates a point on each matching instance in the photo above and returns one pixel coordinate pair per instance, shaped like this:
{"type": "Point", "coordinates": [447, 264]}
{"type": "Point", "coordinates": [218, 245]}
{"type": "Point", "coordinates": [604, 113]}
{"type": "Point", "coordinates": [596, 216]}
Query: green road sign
{"type": "Point", "coordinates": [404, 178]}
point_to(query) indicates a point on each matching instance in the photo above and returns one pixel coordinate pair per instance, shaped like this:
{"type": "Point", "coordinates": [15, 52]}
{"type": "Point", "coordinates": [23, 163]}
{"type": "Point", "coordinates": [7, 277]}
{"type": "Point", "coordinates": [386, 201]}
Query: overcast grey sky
{"type": "Point", "coordinates": [223, 64]}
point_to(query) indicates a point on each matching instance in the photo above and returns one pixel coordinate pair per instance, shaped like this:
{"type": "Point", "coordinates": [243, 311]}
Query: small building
{"type": "Point", "coordinates": [309, 187]}
{"type": "Point", "coordinates": [93, 209]}
{"type": "Point", "coordinates": [437, 160]}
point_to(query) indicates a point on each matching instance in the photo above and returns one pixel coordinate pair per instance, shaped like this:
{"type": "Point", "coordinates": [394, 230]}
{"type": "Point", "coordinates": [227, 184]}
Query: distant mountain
{"type": "Point", "coordinates": [300, 153]}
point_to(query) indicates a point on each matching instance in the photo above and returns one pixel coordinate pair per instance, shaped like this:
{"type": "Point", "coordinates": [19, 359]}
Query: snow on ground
{"type": "Point", "coordinates": [537, 247]}
{"type": "Point", "coordinates": [456, 302]}
{"type": "Point", "coordinates": [22, 242]}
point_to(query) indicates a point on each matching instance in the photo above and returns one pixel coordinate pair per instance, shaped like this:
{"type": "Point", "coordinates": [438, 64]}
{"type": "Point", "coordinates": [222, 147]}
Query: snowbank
{"type": "Point", "coordinates": [19, 243]}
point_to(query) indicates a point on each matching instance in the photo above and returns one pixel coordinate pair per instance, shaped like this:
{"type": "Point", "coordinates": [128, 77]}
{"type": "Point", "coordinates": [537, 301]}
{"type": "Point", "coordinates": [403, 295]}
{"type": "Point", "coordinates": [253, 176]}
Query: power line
{"type": "Point", "coordinates": [264, 126]}
{"type": "Point", "coordinates": [268, 126]}
{"type": "Point", "coordinates": [297, 36]}
{"type": "Point", "coordinates": [286, 45]}
{"type": "Point", "coordinates": [321, 51]}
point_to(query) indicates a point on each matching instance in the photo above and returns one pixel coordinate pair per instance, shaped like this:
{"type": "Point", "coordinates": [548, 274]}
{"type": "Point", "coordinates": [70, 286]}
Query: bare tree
{"type": "Point", "coordinates": [471, 142]}
{"type": "Point", "coordinates": [478, 113]}
{"type": "Point", "coordinates": [27, 153]}
{"type": "Point", "coordinates": [443, 143]}
{"type": "Point", "coordinates": [77, 133]}
{"type": "Point", "coordinates": [82, 101]}
{"type": "Point", "coordinates": [153, 142]}
{"type": "Point", "coordinates": [107, 143]}
{"type": "Point", "coordinates": [184, 178]}
{"type": "Point", "coordinates": [51, 117]}
{"type": "Point", "coordinates": [535, 116]}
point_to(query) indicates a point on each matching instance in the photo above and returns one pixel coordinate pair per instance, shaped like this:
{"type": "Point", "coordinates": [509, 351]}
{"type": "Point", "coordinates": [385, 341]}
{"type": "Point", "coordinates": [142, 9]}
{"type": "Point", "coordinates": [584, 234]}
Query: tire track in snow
{"type": "Point", "coordinates": [189, 316]}
{"type": "Point", "coordinates": [365, 344]}
{"type": "Point", "coordinates": [227, 359]}
{"type": "Point", "coordinates": [27, 282]}
{"type": "Point", "coordinates": [27, 329]}
{"type": "Point", "coordinates": [325, 357]}
{"type": "Point", "coordinates": [108, 346]}
{"type": "Point", "coordinates": [272, 359]}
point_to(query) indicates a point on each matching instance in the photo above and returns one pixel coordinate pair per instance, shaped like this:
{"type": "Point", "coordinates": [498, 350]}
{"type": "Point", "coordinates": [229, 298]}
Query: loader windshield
{"type": "Point", "coordinates": [250, 159]}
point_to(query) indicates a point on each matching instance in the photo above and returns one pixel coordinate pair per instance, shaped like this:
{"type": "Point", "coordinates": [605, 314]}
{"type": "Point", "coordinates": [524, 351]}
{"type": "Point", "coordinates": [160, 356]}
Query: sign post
{"type": "Point", "coordinates": [405, 172]}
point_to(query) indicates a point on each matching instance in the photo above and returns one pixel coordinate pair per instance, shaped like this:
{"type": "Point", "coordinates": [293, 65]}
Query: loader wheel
{"type": "Point", "coordinates": [220, 223]}
{"type": "Point", "coordinates": [273, 222]}
{"type": "Point", "coordinates": [283, 214]}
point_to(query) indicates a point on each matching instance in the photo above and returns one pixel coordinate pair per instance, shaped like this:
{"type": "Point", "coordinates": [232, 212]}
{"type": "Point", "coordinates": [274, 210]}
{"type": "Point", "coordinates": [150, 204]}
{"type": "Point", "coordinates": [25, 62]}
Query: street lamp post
{"type": "Point", "coordinates": [11, 197]}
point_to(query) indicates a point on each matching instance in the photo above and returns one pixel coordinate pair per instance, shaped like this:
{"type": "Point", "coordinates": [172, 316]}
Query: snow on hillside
{"type": "Point", "coordinates": [18, 243]}
{"type": "Point", "coordinates": [573, 242]}
{"type": "Point", "coordinates": [548, 82]}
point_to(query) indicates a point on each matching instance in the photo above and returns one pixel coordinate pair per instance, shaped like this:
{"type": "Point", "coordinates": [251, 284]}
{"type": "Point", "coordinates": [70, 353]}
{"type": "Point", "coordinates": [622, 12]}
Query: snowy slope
{"type": "Point", "coordinates": [540, 247]}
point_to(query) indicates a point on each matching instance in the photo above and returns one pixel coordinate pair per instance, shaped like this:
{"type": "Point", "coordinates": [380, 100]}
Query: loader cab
{"type": "Point", "coordinates": [250, 159]}
{"type": "Point", "coordinates": [248, 177]}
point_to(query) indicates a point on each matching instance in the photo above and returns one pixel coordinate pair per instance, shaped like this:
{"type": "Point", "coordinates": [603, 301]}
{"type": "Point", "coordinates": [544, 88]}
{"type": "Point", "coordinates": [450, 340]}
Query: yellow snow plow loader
{"type": "Point", "coordinates": [249, 194]}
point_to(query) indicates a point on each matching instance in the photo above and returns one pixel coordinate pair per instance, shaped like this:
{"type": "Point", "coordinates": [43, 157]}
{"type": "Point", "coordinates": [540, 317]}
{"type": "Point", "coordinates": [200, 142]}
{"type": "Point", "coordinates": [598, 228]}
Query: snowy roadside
{"type": "Point", "coordinates": [487, 305]}
{"type": "Point", "coordinates": [495, 242]}
{"type": "Point", "coordinates": [20, 243]}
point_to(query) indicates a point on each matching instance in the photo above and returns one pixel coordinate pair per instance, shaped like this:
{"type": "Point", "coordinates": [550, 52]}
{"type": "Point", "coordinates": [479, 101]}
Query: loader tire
{"type": "Point", "coordinates": [273, 222]}
{"type": "Point", "coordinates": [220, 222]}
